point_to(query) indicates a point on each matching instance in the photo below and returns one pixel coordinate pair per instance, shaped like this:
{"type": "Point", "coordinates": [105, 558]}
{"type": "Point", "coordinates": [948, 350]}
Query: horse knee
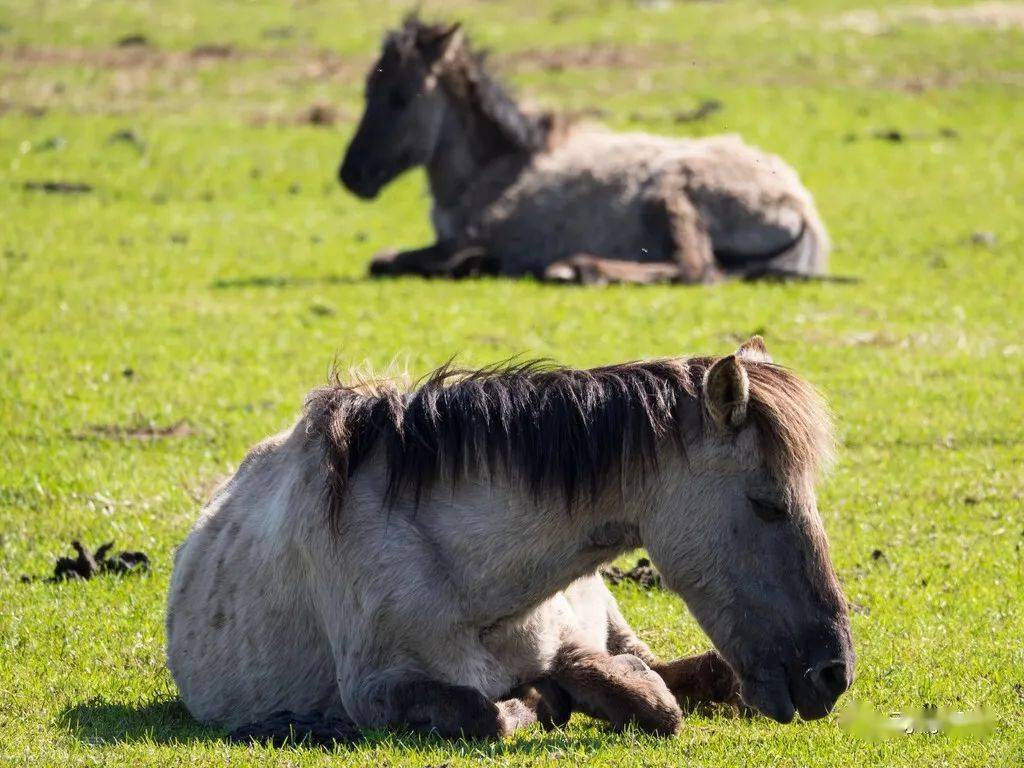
{"type": "Point", "coordinates": [654, 708]}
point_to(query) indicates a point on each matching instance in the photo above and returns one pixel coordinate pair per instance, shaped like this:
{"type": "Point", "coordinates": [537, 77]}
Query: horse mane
{"type": "Point", "coordinates": [558, 429]}
{"type": "Point", "coordinates": [466, 77]}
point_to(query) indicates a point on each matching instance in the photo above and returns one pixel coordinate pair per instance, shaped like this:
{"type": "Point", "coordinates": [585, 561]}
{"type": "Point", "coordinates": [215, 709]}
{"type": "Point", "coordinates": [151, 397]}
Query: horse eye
{"type": "Point", "coordinates": [398, 100]}
{"type": "Point", "coordinates": [769, 511]}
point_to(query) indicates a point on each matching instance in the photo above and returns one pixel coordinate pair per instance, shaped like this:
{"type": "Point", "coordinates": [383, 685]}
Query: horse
{"type": "Point", "coordinates": [428, 559]}
{"type": "Point", "coordinates": [521, 193]}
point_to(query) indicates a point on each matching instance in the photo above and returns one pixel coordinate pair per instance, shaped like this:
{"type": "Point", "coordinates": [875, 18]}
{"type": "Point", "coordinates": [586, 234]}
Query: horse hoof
{"type": "Point", "coordinates": [383, 263]}
{"type": "Point", "coordinates": [561, 273]}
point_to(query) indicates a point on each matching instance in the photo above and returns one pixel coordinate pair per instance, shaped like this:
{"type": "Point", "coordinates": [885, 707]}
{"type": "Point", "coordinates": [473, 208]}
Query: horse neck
{"type": "Point", "coordinates": [512, 551]}
{"type": "Point", "coordinates": [468, 142]}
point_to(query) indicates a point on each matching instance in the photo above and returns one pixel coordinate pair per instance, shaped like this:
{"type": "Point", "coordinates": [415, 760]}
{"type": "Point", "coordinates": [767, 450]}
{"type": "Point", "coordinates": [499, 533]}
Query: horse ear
{"type": "Point", "coordinates": [726, 393]}
{"type": "Point", "coordinates": [753, 349]}
{"type": "Point", "coordinates": [442, 45]}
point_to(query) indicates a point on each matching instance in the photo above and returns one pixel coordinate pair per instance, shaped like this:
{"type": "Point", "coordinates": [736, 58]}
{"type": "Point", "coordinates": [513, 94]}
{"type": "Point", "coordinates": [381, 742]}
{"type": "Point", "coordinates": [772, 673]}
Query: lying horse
{"type": "Point", "coordinates": [521, 194]}
{"type": "Point", "coordinates": [416, 559]}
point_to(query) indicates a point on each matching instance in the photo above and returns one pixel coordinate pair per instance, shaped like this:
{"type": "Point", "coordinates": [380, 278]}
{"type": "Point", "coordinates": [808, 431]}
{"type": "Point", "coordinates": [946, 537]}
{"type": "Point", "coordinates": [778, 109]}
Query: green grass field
{"type": "Point", "coordinates": [215, 272]}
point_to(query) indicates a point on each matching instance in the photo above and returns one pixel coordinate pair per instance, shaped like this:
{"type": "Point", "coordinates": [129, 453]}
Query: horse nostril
{"type": "Point", "coordinates": [832, 676]}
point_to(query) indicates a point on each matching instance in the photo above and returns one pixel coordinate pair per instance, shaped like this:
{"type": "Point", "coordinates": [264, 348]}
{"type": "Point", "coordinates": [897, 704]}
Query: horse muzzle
{"type": "Point", "coordinates": [809, 684]}
{"type": "Point", "coordinates": [816, 689]}
{"type": "Point", "coordinates": [359, 180]}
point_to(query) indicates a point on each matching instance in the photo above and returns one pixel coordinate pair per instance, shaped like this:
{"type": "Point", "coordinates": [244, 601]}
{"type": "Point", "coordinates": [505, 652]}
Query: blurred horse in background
{"type": "Point", "coordinates": [516, 193]}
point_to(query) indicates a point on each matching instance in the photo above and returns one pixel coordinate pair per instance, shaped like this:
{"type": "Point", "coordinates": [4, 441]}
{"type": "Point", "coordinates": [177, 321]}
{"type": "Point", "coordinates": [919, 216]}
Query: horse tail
{"type": "Point", "coordinates": [804, 258]}
{"type": "Point", "coordinates": [286, 727]}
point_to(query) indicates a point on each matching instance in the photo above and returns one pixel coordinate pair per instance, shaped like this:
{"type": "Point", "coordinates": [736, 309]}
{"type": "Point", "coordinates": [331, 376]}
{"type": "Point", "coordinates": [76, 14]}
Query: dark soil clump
{"type": "Point", "coordinates": [88, 563]}
{"type": "Point", "coordinates": [319, 114]}
{"type": "Point", "coordinates": [643, 573]}
{"type": "Point", "coordinates": [58, 187]}
{"type": "Point", "coordinates": [705, 109]}
{"type": "Point", "coordinates": [212, 51]}
{"type": "Point", "coordinates": [133, 40]}
{"type": "Point", "coordinates": [142, 431]}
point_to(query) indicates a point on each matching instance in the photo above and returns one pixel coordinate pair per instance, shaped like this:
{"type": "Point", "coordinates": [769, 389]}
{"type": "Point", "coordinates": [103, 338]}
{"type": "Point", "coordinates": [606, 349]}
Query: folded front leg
{"type": "Point", "coordinates": [618, 689]}
{"type": "Point", "coordinates": [693, 680]}
{"type": "Point", "coordinates": [587, 269]}
{"type": "Point", "coordinates": [549, 702]}
{"type": "Point", "coordinates": [444, 259]}
{"type": "Point", "coordinates": [450, 711]}
{"type": "Point", "coordinates": [701, 679]}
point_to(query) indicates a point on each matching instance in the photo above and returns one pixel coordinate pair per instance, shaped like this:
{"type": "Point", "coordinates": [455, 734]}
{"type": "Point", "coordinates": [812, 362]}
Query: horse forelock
{"type": "Point", "coordinates": [570, 431]}
{"type": "Point", "coordinates": [793, 422]}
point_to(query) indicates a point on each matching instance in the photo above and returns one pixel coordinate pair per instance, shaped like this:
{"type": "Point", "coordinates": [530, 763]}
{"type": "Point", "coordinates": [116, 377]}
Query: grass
{"type": "Point", "coordinates": [217, 260]}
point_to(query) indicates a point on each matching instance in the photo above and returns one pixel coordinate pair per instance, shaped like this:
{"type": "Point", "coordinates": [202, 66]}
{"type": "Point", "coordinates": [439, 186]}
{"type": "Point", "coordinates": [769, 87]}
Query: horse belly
{"type": "Point", "coordinates": [562, 209]}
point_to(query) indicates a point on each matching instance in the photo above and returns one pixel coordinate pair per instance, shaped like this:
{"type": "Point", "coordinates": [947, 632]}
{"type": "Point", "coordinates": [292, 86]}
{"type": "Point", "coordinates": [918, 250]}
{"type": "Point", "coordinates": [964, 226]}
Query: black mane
{"type": "Point", "coordinates": [561, 430]}
{"type": "Point", "coordinates": [467, 78]}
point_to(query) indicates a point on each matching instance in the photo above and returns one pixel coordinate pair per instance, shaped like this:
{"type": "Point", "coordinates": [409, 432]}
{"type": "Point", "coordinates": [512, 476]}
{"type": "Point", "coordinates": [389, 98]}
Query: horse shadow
{"type": "Point", "coordinates": [284, 281]}
{"type": "Point", "coordinates": [165, 720]}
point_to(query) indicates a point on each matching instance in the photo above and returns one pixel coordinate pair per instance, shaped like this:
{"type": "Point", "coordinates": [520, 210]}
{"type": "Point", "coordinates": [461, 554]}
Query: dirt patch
{"type": "Point", "coordinates": [314, 64]}
{"type": "Point", "coordinates": [318, 114]}
{"type": "Point", "coordinates": [897, 136]}
{"type": "Point", "coordinates": [212, 51]}
{"type": "Point", "coordinates": [706, 108]}
{"type": "Point", "coordinates": [278, 33]}
{"type": "Point", "coordinates": [591, 56]}
{"type": "Point", "coordinates": [994, 15]}
{"type": "Point", "coordinates": [132, 41]}
{"type": "Point", "coordinates": [137, 52]}
{"type": "Point", "coordinates": [702, 111]}
{"type": "Point", "coordinates": [58, 187]}
{"type": "Point", "coordinates": [126, 78]}
{"type": "Point", "coordinates": [144, 431]}
{"type": "Point", "coordinates": [643, 573]}
{"type": "Point", "coordinates": [87, 564]}
{"type": "Point", "coordinates": [127, 136]}
{"type": "Point", "coordinates": [984, 238]}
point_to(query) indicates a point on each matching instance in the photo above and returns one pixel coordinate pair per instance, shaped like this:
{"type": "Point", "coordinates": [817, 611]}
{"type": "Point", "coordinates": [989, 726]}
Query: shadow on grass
{"type": "Point", "coordinates": [163, 721]}
{"type": "Point", "coordinates": [284, 281]}
{"type": "Point", "coordinates": [166, 721]}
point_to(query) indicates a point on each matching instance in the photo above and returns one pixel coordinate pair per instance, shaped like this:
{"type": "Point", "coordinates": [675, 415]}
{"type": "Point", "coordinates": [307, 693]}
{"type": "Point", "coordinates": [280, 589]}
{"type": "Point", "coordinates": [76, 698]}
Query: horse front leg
{"type": "Point", "coordinates": [618, 689]}
{"type": "Point", "coordinates": [414, 701]}
{"type": "Point", "coordinates": [442, 259]}
{"type": "Point", "coordinates": [669, 213]}
{"type": "Point", "coordinates": [587, 269]}
{"type": "Point", "coordinates": [693, 253]}
{"type": "Point", "coordinates": [694, 680]}
{"type": "Point", "coordinates": [700, 680]}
